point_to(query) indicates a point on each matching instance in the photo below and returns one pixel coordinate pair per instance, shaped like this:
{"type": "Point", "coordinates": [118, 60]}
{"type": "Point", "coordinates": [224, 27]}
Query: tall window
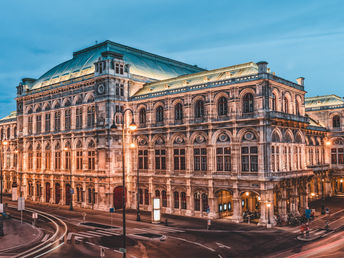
{"type": "Point", "coordinates": [47, 157]}
{"type": "Point", "coordinates": [179, 159]}
{"type": "Point", "coordinates": [176, 200]}
{"type": "Point", "coordinates": [47, 122]}
{"type": "Point", "coordinates": [38, 123]}
{"type": "Point", "coordinates": [57, 121]}
{"type": "Point", "coordinates": [197, 202]}
{"type": "Point", "coordinates": [78, 120]}
{"type": "Point", "coordinates": [29, 124]}
{"type": "Point", "coordinates": [140, 196]}
{"type": "Point", "coordinates": [38, 158]}
{"type": "Point", "coordinates": [67, 119]}
{"type": "Point", "coordinates": [199, 109]}
{"type": "Point", "coordinates": [286, 105]}
{"type": "Point", "coordinates": [297, 107]}
{"type": "Point", "coordinates": [223, 159]}
{"type": "Point", "coordinates": [91, 156]}
{"type": "Point", "coordinates": [91, 116]}
{"type": "Point", "coordinates": [249, 159]}
{"type": "Point", "coordinates": [336, 121]}
{"type": "Point", "coordinates": [159, 114]}
{"type": "Point", "coordinates": [160, 159]}
{"type": "Point", "coordinates": [57, 158]}
{"type": "Point", "coordinates": [79, 159]}
{"type": "Point", "coordinates": [178, 112]}
{"type": "Point", "coordinates": [143, 159]}
{"type": "Point", "coordinates": [146, 197]}
{"type": "Point", "coordinates": [205, 205]}
{"type": "Point", "coordinates": [164, 198]}
{"type": "Point", "coordinates": [142, 117]}
{"type": "Point", "coordinates": [222, 106]}
{"type": "Point", "coordinates": [248, 104]}
{"type": "Point", "coordinates": [67, 160]}
{"type": "Point", "coordinates": [200, 159]}
{"type": "Point", "coordinates": [30, 154]}
{"type": "Point", "coordinates": [273, 102]}
{"type": "Point", "coordinates": [183, 200]}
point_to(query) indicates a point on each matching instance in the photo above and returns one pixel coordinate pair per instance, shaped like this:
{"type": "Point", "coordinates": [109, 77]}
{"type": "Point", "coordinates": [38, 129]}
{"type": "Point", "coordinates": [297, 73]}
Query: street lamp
{"type": "Point", "coordinates": [132, 127]}
{"type": "Point", "coordinates": [70, 170]}
{"type": "Point", "coordinates": [268, 205]}
{"type": "Point", "coordinates": [2, 143]}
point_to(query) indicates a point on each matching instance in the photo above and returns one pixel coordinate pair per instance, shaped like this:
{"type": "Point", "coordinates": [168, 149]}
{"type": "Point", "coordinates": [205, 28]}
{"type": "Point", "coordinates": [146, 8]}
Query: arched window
{"type": "Point", "coordinates": [199, 109]}
{"type": "Point", "coordinates": [159, 116]}
{"type": "Point", "coordinates": [47, 157]}
{"type": "Point", "coordinates": [91, 156]}
{"type": "Point", "coordinates": [183, 200]}
{"type": "Point", "coordinates": [91, 111]}
{"type": "Point", "coordinates": [205, 205]}
{"type": "Point", "coordinates": [142, 117]}
{"type": "Point", "coordinates": [178, 112]}
{"type": "Point", "coordinates": [79, 156]}
{"type": "Point", "coordinates": [146, 197]}
{"type": "Point", "coordinates": [273, 102]}
{"type": "Point", "coordinates": [67, 119]}
{"type": "Point", "coordinates": [38, 157]}
{"type": "Point", "coordinates": [336, 121]}
{"type": "Point", "coordinates": [157, 193]}
{"type": "Point", "coordinates": [248, 104]}
{"type": "Point", "coordinates": [30, 163]}
{"type": "Point", "coordinates": [8, 132]}
{"type": "Point", "coordinates": [176, 200]}
{"type": "Point", "coordinates": [57, 121]}
{"type": "Point", "coordinates": [164, 198]}
{"type": "Point", "coordinates": [286, 105]}
{"type": "Point", "coordinates": [197, 203]}
{"type": "Point", "coordinates": [222, 107]}
{"type": "Point", "coordinates": [57, 157]}
{"type": "Point", "coordinates": [297, 107]}
{"type": "Point", "coordinates": [78, 120]}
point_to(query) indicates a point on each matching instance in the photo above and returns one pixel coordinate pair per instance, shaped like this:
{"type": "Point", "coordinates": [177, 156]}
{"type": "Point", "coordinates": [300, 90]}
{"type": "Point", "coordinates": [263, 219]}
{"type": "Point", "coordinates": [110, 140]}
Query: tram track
{"type": "Point", "coordinates": [53, 242]}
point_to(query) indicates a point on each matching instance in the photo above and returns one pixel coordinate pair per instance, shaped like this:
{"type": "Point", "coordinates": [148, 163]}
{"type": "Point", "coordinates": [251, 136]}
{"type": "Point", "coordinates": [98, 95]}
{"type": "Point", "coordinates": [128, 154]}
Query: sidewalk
{"type": "Point", "coordinates": [18, 235]}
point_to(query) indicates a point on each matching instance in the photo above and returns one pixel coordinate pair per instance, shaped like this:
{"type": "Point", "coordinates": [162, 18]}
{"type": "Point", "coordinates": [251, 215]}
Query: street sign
{"type": "Point", "coordinates": [123, 250]}
{"type": "Point", "coordinates": [156, 210]}
{"type": "Point", "coordinates": [35, 215]}
{"type": "Point", "coordinates": [1, 207]}
{"type": "Point", "coordinates": [112, 210]}
{"type": "Point", "coordinates": [21, 204]}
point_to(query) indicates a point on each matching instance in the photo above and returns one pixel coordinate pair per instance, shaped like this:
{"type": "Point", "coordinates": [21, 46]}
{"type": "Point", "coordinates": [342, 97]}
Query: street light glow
{"type": "Point", "coordinates": [132, 126]}
{"type": "Point", "coordinates": [4, 142]}
{"type": "Point", "coordinates": [328, 143]}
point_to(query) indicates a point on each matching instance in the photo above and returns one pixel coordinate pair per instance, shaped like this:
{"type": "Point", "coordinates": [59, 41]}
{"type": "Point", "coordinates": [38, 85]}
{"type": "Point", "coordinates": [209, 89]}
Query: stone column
{"type": "Point", "coordinates": [237, 211]}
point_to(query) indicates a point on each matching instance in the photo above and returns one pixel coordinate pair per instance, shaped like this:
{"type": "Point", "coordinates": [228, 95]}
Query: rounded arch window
{"type": "Point", "coordinates": [336, 121]}
{"type": "Point", "coordinates": [159, 116]}
{"type": "Point", "coordinates": [222, 106]}
{"type": "Point", "coordinates": [199, 109]}
{"type": "Point", "coordinates": [142, 116]}
{"type": "Point", "coordinates": [248, 103]}
{"type": "Point", "coordinates": [273, 102]}
{"type": "Point", "coordinates": [178, 111]}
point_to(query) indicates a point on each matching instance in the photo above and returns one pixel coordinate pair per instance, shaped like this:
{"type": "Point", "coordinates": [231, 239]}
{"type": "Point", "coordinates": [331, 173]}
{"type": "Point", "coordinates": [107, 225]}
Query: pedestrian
{"type": "Point", "coordinates": [302, 229]}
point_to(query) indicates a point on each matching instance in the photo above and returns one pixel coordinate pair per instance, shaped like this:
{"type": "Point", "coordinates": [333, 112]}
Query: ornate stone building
{"type": "Point", "coordinates": [209, 143]}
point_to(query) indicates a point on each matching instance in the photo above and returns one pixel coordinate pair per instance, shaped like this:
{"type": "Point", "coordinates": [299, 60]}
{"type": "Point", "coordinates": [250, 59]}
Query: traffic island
{"type": "Point", "coordinates": [18, 236]}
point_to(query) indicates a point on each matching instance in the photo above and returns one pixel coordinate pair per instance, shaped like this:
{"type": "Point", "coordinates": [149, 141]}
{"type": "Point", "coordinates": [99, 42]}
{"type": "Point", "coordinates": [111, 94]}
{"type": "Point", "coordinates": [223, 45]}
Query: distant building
{"type": "Point", "coordinates": [215, 143]}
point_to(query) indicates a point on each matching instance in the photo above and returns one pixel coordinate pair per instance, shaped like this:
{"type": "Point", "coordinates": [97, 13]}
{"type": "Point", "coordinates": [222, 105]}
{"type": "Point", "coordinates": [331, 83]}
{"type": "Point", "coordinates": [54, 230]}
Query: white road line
{"type": "Point", "coordinates": [223, 246]}
{"type": "Point", "coordinates": [318, 233]}
{"type": "Point", "coordinates": [90, 243]}
{"type": "Point", "coordinates": [81, 234]}
{"type": "Point", "coordinates": [104, 232]}
{"type": "Point", "coordinates": [195, 243]}
{"type": "Point", "coordinates": [45, 238]}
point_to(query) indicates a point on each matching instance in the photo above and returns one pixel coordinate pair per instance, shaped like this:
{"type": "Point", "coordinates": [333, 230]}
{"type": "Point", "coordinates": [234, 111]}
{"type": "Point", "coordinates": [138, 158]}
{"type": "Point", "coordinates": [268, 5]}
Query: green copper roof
{"type": "Point", "coordinates": [150, 66]}
{"type": "Point", "coordinates": [322, 101]}
{"type": "Point", "coordinates": [11, 116]}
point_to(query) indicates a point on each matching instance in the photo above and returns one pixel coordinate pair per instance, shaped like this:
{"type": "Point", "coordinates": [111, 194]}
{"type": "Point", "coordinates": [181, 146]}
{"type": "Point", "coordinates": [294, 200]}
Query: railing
{"type": "Point", "coordinates": [286, 116]}
{"type": "Point", "coordinates": [247, 78]}
{"type": "Point", "coordinates": [319, 167]}
{"type": "Point", "coordinates": [325, 107]}
{"type": "Point", "coordinates": [288, 174]}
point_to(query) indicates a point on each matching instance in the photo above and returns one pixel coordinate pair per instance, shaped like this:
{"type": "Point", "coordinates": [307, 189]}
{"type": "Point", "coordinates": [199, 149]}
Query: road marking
{"type": "Point", "coordinates": [82, 235]}
{"type": "Point", "coordinates": [195, 243]}
{"type": "Point", "coordinates": [90, 243]}
{"type": "Point", "coordinates": [45, 238]}
{"type": "Point", "coordinates": [110, 233]}
{"type": "Point", "coordinates": [222, 245]}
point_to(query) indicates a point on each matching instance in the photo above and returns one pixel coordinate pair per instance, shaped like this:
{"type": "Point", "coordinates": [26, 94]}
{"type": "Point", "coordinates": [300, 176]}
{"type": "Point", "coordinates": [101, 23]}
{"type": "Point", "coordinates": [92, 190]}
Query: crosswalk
{"type": "Point", "coordinates": [98, 233]}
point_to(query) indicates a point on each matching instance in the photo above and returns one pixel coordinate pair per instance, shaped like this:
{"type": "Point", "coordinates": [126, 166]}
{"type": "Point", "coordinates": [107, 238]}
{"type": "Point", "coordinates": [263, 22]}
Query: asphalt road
{"type": "Point", "coordinates": [185, 237]}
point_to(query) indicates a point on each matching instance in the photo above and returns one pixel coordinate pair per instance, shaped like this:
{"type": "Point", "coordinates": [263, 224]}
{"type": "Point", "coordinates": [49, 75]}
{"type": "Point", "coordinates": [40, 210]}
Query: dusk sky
{"type": "Point", "coordinates": [297, 38]}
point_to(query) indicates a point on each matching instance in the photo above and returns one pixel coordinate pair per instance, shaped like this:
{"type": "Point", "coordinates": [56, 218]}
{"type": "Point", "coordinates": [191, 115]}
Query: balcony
{"type": "Point", "coordinates": [289, 117]}
{"type": "Point", "coordinates": [289, 174]}
{"type": "Point", "coordinates": [319, 167]}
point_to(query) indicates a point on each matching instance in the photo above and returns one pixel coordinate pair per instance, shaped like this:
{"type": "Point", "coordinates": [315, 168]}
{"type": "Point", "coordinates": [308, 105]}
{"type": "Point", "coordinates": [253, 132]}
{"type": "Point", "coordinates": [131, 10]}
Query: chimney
{"type": "Point", "coordinates": [301, 81]}
{"type": "Point", "coordinates": [262, 67]}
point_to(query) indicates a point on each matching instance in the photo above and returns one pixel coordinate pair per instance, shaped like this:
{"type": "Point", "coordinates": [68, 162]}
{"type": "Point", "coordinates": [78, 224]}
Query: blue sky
{"type": "Point", "coordinates": [297, 38]}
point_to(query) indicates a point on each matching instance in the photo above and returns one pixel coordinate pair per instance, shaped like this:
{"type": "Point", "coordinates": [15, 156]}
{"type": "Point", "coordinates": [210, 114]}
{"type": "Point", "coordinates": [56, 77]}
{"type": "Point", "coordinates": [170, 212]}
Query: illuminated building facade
{"type": "Point", "coordinates": [212, 143]}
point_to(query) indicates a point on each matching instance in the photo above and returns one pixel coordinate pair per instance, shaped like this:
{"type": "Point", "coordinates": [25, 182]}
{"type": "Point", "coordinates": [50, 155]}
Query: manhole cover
{"type": "Point", "coordinates": [149, 235]}
{"type": "Point", "coordinates": [91, 224]}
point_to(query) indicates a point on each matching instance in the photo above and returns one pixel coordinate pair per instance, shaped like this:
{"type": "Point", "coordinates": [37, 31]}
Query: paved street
{"type": "Point", "coordinates": [182, 237]}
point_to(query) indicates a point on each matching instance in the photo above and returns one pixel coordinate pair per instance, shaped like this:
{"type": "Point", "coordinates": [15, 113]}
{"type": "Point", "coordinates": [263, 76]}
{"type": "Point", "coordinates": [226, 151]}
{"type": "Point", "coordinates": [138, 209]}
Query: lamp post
{"type": "Point", "coordinates": [132, 127]}
{"type": "Point", "coordinates": [268, 205]}
{"type": "Point", "coordinates": [2, 143]}
{"type": "Point", "coordinates": [70, 170]}
{"type": "Point", "coordinates": [138, 218]}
